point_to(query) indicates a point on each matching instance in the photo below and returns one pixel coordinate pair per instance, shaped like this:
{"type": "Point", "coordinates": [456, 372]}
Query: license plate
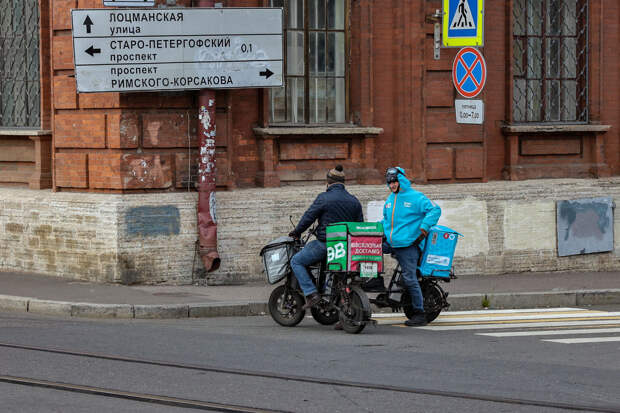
{"type": "Point", "coordinates": [368, 269]}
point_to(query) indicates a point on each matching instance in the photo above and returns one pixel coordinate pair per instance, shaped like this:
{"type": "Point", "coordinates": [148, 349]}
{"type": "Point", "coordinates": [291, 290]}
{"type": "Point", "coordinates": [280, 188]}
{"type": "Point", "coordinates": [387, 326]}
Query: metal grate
{"type": "Point", "coordinates": [550, 67]}
{"type": "Point", "coordinates": [20, 89]}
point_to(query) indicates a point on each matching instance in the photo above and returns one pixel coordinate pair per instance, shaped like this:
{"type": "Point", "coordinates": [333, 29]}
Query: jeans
{"type": "Point", "coordinates": [408, 259]}
{"type": "Point", "coordinates": [313, 252]}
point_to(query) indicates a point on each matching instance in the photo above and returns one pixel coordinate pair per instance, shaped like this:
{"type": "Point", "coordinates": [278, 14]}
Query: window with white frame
{"type": "Point", "coordinates": [315, 63]}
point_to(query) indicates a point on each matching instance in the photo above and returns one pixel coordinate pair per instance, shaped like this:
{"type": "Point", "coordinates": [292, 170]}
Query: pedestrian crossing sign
{"type": "Point", "coordinates": [463, 23]}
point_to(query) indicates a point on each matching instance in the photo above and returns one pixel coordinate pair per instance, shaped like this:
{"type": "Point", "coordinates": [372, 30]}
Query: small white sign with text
{"type": "Point", "coordinates": [469, 111]}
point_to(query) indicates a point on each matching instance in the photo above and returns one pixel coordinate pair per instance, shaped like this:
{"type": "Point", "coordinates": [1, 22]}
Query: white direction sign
{"type": "Point", "coordinates": [128, 3]}
{"type": "Point", "coordinates": [469, 111]}
{"type": "Point", "coordinates": [125, 50]}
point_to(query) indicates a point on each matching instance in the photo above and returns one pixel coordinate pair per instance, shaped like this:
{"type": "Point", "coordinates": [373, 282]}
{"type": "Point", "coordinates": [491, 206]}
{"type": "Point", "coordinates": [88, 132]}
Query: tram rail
{"type": "Point", "coordinates": [195, 404]}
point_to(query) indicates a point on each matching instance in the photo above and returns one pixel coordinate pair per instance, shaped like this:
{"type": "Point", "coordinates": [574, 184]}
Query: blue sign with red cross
{"type": "Point", "coordinates": [469, 72]}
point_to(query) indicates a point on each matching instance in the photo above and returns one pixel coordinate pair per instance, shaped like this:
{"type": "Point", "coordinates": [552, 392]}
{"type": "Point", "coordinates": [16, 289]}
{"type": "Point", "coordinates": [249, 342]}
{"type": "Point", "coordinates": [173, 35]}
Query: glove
{"type": "Point", "coordinates": [293, 234]}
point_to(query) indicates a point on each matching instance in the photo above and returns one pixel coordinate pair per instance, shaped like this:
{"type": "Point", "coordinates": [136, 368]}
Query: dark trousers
{"type": "Point", "coordinates": [408, 259]}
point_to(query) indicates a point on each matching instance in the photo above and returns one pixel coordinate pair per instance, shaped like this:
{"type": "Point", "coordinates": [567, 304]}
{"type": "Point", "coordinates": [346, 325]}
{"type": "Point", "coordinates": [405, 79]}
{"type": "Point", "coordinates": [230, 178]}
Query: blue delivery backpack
{"type": "Point", "coordinates": [438, 252]}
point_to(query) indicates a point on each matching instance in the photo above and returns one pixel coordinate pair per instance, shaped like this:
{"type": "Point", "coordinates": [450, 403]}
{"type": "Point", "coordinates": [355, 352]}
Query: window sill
{"type": "Point", "coordinates": [318, 130]}
{"type": "Point", "coordinates": [555, 128]}
{"type": "Point", "coordinates": [23, 132]}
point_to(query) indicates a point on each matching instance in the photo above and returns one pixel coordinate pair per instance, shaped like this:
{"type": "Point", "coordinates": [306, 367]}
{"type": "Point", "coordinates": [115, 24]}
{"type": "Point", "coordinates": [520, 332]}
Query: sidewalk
{"type": "Point", "coordinates": [39, 294]}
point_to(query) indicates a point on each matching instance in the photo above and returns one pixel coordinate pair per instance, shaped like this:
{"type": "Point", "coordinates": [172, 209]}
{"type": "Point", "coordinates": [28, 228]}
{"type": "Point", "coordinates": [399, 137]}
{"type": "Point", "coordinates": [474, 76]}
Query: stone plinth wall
{"type": "Point", "coordinates": [150, 238]}
{"type": "Point", "coordinates": [99, 237]}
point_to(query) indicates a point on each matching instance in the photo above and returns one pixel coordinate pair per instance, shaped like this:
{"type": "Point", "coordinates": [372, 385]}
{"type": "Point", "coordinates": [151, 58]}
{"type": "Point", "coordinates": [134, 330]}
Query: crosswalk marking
{"type": "Point", "coordinates": [532, 323]}
{"type": "Point", "coordinates": [551, 332]}
{"type": "Point", "coordinates": [525, 318]}
{"type": "Point", "coordinates": [599, 326]}
{"type": "Point", "coordinates": [512, 318]}
{"type": "Point", "coordinates": [584, 340]}
{"type": "Point", "coordinates": [521, 314]}
{"type": "Point", "coordinates": [449, 314]}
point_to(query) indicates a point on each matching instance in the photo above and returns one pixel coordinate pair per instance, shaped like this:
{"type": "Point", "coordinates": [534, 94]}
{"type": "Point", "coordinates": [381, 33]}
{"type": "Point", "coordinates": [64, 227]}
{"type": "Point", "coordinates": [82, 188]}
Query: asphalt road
{"type": "Point", "coordinates": [247, 362]}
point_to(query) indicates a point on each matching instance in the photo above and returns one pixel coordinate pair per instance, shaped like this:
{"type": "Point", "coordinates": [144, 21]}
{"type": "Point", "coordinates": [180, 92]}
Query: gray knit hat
{"type": "Point", "coordinates": [335, 175]}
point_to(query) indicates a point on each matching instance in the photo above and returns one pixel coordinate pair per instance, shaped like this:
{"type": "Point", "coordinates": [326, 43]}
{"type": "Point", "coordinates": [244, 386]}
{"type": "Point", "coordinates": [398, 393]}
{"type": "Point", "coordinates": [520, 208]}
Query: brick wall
{"type": "Point", "coordinates": [114, 142]}
{"type": "Point", "coordinates": [101, 139]}
{"type": "Point", "coordinates": [150, 238]}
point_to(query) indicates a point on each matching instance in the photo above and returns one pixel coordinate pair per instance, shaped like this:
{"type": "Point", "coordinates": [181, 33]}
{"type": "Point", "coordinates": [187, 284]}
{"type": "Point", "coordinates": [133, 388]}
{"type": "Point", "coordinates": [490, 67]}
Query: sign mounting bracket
{"type": "Point", "coordinates": [436, 19]}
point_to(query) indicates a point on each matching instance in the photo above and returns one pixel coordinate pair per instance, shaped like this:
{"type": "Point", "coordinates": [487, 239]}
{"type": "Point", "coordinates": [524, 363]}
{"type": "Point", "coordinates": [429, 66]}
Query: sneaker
{"type": "Point", "coordinates": [338, 326]}
{"type": "Point", "coordinates": [311, 300]}
{"type": "Point", "coordinates": [419, 319]}
{"type": "Point", "coordinates": [374, 285]}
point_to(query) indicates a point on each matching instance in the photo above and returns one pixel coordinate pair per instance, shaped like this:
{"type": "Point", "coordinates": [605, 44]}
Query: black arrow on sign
{"type": "Point", "coordinates": [267, 73]}
{"type": "Point", "coordinates": [92, 51]}
{"type": "Point", "coordinates": [88, 22]}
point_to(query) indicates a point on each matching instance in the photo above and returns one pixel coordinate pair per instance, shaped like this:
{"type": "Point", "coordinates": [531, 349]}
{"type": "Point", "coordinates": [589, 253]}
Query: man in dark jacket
{"type": "Point", "coordinates": [333, 205]}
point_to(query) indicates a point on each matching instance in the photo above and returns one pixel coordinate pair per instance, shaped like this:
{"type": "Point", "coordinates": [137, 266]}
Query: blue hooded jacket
{"type": "Point", "coordinates": [405, 212]}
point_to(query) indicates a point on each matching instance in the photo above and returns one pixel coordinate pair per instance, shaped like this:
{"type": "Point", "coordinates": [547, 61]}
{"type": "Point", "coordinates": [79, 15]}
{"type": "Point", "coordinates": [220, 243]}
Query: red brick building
{"type": "Point", "coordinates": [363, 89]}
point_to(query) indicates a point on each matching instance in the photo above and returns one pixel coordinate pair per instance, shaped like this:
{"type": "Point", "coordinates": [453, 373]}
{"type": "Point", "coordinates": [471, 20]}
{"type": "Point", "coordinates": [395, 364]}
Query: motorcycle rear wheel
{"type": "Point", "coordinates": [323, 316]}
{"type": "Point", "coordinates": [355, 315]}
{"type": "Point", "coordinates": [286, 308]}
{"type": "Point", "coordinates": [434, 301]}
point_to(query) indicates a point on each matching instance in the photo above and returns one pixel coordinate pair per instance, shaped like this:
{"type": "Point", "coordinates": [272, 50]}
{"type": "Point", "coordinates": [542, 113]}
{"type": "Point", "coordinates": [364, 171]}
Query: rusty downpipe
{"type": "Point", "coordinates": [207, 224]}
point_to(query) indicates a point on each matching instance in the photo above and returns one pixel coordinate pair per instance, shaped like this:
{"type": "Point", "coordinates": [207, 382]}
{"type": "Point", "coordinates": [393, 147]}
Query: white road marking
{"type": "Point", "coordinates": [517, 317]}
{"type": "Point", "coordinates": [520, 310]}
{"type": "Point", "coordinates": [551, 332]}
{"type": "Point", "coordinates": [584, 340]}
{"type": "Point", "coordinates": [486, 312]}
{"type": "Point", "coordinates": [518, 325]}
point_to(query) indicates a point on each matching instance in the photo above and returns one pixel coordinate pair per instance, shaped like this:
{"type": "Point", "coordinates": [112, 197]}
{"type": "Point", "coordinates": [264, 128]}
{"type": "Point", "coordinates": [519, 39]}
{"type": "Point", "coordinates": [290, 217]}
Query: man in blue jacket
{"type": "Point", "coordinates": [333, 205]}
{"type": "Point", "coordinates": [407, 217]}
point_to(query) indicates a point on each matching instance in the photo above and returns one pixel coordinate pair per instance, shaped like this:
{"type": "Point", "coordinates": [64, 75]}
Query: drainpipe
{"type": "Point", "coordinates": [207, 224]}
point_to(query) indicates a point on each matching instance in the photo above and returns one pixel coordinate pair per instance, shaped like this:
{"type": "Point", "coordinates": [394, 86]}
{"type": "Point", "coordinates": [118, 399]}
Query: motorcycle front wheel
{"type": "Point", "coordinates": [355, 313]}
{"type": "Point", "coordinates": [286, 307]}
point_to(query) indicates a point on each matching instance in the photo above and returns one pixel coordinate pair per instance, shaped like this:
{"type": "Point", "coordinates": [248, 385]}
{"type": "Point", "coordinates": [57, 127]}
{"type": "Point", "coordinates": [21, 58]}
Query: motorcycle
{"type": "Point", "coordinates": [433, 268]}
{"type": "Point", "coordinates": [342, 298]}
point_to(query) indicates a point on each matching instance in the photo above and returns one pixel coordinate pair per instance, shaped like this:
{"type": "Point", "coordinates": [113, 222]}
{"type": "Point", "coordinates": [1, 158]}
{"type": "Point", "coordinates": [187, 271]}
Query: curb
{"type": "Point", "coordinates": [458, 302]}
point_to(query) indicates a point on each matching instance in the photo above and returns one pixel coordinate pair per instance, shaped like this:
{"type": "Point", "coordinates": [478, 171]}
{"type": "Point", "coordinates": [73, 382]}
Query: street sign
{"type": "Point", "coordinates": [469, 72]}
{"type": "Point", "coordinates": [128, 3]}
{"type": "Point", "coordinates": [177, 49]}
{"type": "Point", "coordinates": [463, 23]}
{"type": "Point", "coordinates": [470, 111]}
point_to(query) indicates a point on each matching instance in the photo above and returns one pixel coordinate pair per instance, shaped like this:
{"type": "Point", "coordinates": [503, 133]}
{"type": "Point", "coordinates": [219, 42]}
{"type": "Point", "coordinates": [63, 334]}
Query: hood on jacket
{"type": "Point", "coordinates": [403, 181]}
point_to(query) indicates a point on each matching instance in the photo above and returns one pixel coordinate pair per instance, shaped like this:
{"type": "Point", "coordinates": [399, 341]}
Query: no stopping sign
{"type": "Point", "coordinates": [469, 72]}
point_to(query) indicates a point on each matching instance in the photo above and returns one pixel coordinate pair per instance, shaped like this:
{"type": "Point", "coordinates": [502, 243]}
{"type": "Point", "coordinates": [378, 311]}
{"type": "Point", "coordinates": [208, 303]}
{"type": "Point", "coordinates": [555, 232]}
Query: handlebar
{"type": "Point", "coordinates": [311, 231]}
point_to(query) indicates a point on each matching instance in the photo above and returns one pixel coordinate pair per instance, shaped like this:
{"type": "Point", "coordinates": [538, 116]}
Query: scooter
{"type": "Point", "coordinates": [342, 297]}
